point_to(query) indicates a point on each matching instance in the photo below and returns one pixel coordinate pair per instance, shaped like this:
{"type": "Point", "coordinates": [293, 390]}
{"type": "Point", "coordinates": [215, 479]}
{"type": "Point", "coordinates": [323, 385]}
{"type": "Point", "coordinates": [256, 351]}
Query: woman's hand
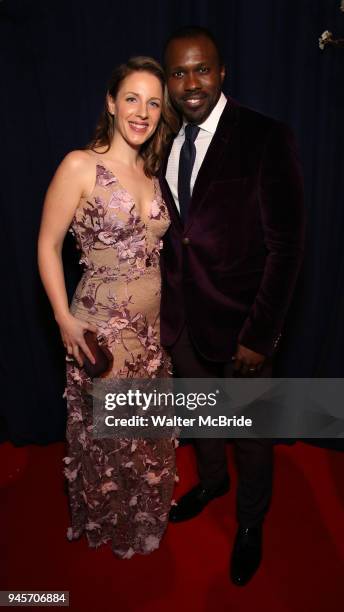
{"type": "Point", "coordinates": [72, 333]}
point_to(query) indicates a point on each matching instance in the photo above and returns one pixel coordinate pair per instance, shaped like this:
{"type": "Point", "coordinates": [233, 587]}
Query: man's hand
{"type": "Point", "coordinates": [247, 362]}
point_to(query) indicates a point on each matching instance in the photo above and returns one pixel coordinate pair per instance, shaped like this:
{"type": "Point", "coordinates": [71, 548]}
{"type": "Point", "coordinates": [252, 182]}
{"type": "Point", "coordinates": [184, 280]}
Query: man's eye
{"type": "Point", "coordinates": [178, 75]}
{"type": "Point", "coordinates": [204, 70]}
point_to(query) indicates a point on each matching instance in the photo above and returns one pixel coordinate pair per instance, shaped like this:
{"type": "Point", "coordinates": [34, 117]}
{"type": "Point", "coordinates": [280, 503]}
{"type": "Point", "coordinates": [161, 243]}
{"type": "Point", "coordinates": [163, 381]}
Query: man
{"type": "Point", "coordinates": [230, 262]}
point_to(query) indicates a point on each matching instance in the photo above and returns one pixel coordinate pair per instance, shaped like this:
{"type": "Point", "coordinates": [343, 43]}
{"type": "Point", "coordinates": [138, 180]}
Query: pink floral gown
{"type": "Point", "coordinates": [119, 489]}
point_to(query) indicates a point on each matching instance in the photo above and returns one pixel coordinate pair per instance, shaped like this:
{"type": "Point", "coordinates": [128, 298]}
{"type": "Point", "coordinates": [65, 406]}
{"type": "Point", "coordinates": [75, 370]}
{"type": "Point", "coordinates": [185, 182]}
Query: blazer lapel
{"type": "Point", "coordinates": [213, 158]}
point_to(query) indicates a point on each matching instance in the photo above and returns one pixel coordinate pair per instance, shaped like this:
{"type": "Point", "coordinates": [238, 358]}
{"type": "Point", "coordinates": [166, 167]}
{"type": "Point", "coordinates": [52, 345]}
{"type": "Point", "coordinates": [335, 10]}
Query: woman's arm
{"type": "Point", "coordinates": [72, 179]}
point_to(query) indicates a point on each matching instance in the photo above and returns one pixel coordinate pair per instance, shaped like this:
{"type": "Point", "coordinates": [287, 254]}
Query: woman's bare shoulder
{"type": "Point", "coordinates": [79, 167]}
{"type": "Point", "coordinates": [80, 160]}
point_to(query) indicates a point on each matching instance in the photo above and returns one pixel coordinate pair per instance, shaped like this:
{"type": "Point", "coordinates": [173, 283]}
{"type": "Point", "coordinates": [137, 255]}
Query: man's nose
{"type": "Point", "coordinates": [191, 82]}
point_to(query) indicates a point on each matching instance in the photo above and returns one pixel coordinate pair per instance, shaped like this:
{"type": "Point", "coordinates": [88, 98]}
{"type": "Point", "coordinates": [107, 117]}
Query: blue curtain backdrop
{"type": "Point", "coordinates": [55, 61]}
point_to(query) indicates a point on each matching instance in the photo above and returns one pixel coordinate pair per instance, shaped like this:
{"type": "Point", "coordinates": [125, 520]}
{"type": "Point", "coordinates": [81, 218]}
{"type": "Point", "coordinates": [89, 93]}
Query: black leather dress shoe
{"type": "Point", "coordinates": [247, 554]}
{"type": "Point", "coordinates": [193, 502]}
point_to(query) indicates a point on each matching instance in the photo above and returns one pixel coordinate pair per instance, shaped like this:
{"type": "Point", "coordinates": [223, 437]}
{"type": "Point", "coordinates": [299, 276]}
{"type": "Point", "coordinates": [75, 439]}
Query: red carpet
{"type": "Point", "coordinates": [303, 567]}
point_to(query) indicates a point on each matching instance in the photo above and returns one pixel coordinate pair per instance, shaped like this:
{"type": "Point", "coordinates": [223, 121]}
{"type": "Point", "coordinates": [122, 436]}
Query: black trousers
{"type": "Point", "coordinates": [254, 456]}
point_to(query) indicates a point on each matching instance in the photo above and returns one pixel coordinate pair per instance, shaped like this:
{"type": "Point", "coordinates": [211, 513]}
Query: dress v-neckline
{"type": "Point", "coordinates": [135, 206]}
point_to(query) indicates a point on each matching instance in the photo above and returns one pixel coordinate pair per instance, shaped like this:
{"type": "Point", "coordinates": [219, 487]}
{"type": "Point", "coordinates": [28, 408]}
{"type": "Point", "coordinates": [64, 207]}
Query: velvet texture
{"type": "Point", "coordinates": [233, 277]}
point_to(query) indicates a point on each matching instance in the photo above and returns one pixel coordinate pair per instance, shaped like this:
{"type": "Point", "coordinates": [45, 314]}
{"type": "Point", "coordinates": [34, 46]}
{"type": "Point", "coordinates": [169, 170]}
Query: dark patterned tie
{"type": "Point", "coordinates": [186, 163]}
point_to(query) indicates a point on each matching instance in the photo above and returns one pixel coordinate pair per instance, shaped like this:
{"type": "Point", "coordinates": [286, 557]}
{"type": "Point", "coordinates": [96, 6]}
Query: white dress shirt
{"type": "Point", "coordinates": [202, 142]}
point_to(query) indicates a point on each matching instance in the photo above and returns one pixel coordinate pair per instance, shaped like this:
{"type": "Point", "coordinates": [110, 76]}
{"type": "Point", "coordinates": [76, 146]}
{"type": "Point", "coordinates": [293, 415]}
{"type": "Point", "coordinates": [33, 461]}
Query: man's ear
{"type": "Point", "coordinates": [223, 72]}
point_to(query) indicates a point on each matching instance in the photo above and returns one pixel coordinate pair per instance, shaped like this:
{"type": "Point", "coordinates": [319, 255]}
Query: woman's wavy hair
{"type": "Point", "coordinates": [152, 151]}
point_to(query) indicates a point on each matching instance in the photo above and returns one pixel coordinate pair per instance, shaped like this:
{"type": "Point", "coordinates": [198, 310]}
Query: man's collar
{"type": "Point", "coordinates": [210, 124]}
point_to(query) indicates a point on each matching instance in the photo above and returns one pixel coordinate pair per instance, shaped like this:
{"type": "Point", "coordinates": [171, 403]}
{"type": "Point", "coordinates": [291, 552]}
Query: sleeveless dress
{"type": "Point", "coordinates": [120, 490]}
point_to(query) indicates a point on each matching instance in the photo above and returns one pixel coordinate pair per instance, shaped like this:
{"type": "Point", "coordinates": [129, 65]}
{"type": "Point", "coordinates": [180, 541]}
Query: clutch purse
{"type": "Point", "coordinates": [102, 355]}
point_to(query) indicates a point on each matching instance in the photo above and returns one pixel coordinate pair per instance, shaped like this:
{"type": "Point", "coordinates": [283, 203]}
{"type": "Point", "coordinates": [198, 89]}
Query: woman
{"type": "Point", "coordinates": [109, 197]}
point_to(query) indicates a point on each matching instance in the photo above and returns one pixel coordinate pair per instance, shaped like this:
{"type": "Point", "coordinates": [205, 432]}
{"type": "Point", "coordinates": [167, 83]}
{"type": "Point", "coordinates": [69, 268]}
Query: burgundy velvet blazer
{"type": "Point", "coordinates": [230, 272]}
